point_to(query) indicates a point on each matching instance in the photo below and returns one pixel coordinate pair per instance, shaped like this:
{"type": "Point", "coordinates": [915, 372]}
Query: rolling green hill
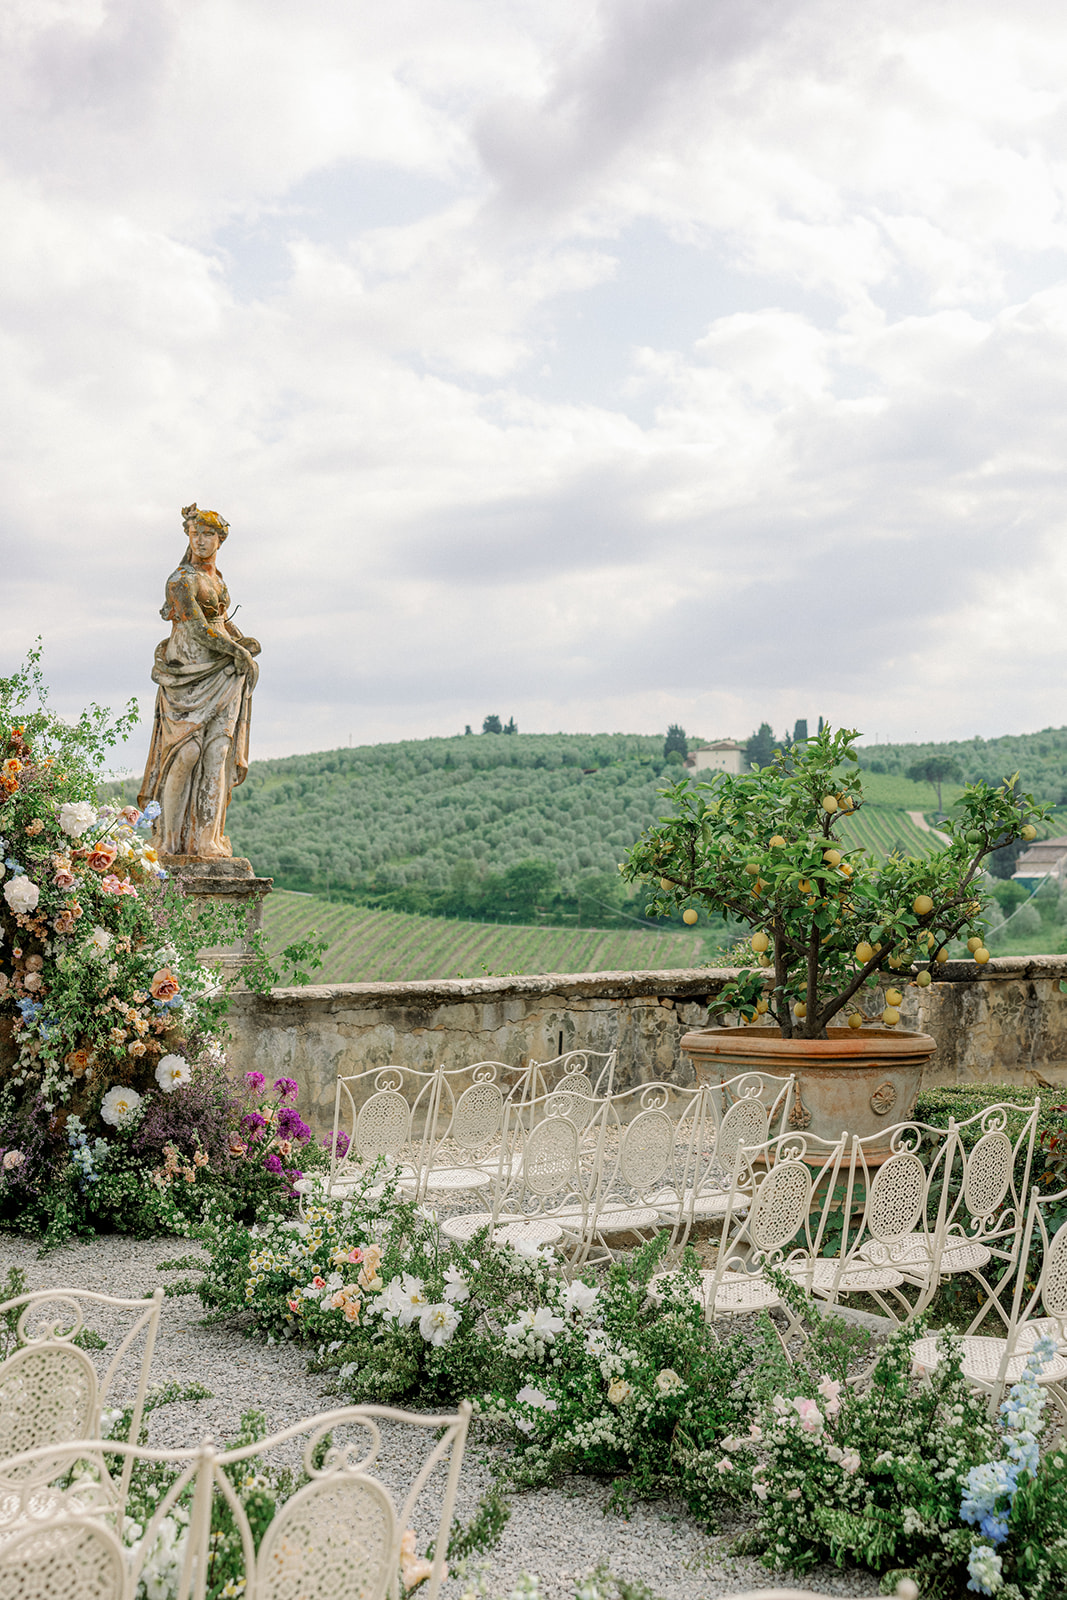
{"type": "Point", "coordinates": [368, 946]}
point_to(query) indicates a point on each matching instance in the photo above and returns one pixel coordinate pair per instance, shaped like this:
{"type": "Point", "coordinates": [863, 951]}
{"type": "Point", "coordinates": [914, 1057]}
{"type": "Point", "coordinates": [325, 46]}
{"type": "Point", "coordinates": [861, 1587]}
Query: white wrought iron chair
{"type": "Point", "coordinates": [590, 1073]}
{"type": "Point", "coordinates": [994, 1363]}
{"type": "Point", "coordinates": [461, 1150]}
{"type": "Point", "coordinates": [778, 1188]}
{"type": "Point", "coordinates": [644, 1170]}
{"type": "Point", "coordinates": [888, 1238]}
{"type": "Point", "coordinates": [905, 1590]}
{"type": "Point", "coordinates": [382, 1122]}
{"type": "Point", "coordinates": [340, 1534]}
{"type": "Point", "coordinates": [49, 1390]}
{"type": "Point", "coordinates": [545, 1177]}
{"type": "Point", "coordinates": [746, 1110]}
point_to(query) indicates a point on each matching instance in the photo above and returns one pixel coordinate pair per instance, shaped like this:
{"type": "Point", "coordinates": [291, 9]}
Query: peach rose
{"type": "Point", "coordinates": [130, 815]}
{"type": "Point", "coordinates": [164, 985]}
{"type": "Point", "coordinates": [137, 1048]}
{"type": "Point", "coordinates": [102, 856]}
{"type": "Point", "coordinates": [35, 963]}
{"type": "Point", "coordinates": [64, 923]}
{"type": "Point", "coordinates": [35, 827]}
{"type": "Point", "coordinates": [64, 879]}
{"type": "Point", "coordinates": [77, 1063]}
{"type": "Point", "coordinates": [32, 982]}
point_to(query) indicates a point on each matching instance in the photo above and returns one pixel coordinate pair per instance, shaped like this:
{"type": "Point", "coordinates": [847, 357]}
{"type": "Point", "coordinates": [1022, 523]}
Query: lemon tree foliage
{"type": "Point", "coordinates": [766, 849]}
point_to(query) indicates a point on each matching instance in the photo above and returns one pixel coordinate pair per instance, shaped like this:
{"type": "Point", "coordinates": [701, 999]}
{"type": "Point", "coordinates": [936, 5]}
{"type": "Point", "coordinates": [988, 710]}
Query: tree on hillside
{"type": "Point", "coordinates": [492, 724]}
{"type": "Point", "coordinates": [800, 730]}
{"type": "Point", "coordinates": [467, 728]}
{"type": "Point", "coordinates": [511, 726]}
{"type": "Point", "coordinates": [675, 740]}
{"type": "Point", "coordinates": [760, 746]}
{"type": "Point", "coordinates": [527, 883]}
{"type": "Point", "coordinates": [936, 770]}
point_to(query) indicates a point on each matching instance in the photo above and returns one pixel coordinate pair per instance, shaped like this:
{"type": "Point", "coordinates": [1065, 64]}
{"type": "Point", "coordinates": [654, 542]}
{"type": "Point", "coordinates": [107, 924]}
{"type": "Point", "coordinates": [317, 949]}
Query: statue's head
{"type": "Point", "coordinates": [193, 517]}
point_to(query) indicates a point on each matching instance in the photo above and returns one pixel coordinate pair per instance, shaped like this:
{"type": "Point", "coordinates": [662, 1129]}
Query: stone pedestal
{"type": "Point", "coordinates": [229, 880]}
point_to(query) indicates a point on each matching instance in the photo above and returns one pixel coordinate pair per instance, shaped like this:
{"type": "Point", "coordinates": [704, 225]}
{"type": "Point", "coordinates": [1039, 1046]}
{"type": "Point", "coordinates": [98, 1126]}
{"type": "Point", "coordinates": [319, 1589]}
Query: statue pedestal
{"type": "Point", "coordinates": [226, 880]}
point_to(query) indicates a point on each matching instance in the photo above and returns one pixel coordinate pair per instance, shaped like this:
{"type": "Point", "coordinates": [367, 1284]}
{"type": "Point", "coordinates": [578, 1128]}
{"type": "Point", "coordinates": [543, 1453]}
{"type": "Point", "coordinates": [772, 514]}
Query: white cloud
{"type": "Point", "coordinates": [378, 285]}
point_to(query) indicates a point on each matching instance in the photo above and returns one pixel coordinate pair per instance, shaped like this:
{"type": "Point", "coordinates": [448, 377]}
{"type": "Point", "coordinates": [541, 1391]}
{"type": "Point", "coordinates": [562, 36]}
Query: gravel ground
{"type": "Point", "coordinates": [560, 1534]}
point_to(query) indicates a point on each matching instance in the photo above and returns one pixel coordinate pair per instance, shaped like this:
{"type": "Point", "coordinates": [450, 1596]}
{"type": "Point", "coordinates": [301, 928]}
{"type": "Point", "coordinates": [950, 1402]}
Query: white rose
{"type": "Point", "coordinates": [118, 1105]}
{"type": "Point", "coordinates": [21, 894]}
{"type": "Point", "coordinates": [100, 939]}
{"type": "Point", "coordinates": [76, 816]}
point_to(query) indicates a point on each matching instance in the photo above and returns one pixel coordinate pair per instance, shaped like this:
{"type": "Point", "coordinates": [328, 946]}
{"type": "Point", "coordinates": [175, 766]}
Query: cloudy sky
{"type": "Point", "coordinates": [602, 363]}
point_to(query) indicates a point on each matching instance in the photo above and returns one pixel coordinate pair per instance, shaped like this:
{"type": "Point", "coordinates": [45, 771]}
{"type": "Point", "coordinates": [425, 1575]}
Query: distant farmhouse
{"type": "Point", "coordinates": [1047, 859]}
{"type": "Point", "coordinates": [722, 755]}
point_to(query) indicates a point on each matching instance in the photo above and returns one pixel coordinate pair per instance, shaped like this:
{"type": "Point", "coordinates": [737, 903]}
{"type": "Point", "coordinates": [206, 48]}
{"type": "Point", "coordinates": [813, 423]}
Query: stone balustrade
{"type": "Point", "coordinates": [1004, 1023]}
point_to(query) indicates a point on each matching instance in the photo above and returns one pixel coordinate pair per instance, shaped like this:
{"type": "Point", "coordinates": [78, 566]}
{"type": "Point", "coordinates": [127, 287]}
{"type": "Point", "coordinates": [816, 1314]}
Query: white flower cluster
{"type": "Point", "coordinates": [532, 1332]}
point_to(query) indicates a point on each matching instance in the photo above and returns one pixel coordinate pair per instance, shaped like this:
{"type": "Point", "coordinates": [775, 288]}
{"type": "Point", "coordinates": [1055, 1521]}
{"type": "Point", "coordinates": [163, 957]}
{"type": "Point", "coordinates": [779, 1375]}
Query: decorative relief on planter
{"type": "Point", "coordinates": [799, 1116]}
{"type": "Point", "coordinates": [883, 1099]}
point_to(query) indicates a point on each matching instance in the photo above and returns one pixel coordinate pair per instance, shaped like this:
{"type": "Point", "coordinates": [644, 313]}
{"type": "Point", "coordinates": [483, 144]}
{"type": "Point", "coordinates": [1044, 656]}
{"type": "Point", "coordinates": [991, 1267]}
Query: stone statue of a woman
{"type": "Point", "coordinates": [206, 673]}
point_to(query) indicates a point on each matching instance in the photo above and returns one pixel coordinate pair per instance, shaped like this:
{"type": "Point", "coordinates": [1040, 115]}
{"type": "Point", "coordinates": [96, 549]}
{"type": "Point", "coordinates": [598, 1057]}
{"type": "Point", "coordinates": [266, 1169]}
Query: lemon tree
{"type": "Point", "coordinates": [828, 922]}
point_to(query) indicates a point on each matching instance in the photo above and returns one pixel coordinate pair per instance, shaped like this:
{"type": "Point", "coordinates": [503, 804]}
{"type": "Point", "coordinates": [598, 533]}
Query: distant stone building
{"type": "Point", "coordinates": [1046, 859]}
{"type": "Point", "coordinates": [722, 755]}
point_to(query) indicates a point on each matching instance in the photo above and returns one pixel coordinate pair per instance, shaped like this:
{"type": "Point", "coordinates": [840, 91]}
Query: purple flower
{"type": "Point", "coordinates": [255, 1081]}
{"type": "Point", "coordinates": [289, 1124]}
{"type": "Point", "coordinates": [342, 1144]}
{"type": "Point", "coordinates": [288, 1088]}
{"type": "Point", "coordinates": [273, 1163]}
{"type": "Point", "coordinates": [253, 1124]}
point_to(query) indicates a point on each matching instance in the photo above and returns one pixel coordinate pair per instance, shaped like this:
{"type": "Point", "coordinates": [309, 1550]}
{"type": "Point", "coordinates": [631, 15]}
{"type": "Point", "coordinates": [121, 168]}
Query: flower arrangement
{"type": "Point", "coordinates": [107, 1016]}
{"type": "Point", "coordinates": [765, 849]}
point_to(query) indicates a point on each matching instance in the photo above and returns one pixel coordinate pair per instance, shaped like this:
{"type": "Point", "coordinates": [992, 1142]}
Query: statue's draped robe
{"type": "Point", "coordinates": [201, 698]}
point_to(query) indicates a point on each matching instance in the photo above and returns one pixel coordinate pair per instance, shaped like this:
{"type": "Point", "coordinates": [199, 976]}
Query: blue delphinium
{"type": "Point", "coordinates": [990, 1489]}
{"type": "Point", "coordinates": [85, 1157]}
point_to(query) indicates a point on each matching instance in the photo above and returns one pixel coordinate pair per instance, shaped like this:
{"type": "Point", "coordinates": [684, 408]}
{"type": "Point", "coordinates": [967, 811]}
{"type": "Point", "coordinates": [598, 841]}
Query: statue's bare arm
{"type": "Point", "coordinates": [185, 607]}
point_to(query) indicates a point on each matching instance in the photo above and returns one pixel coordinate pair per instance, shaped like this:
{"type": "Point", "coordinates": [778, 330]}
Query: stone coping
{"type": "Point", "coordinates": [683, 983]}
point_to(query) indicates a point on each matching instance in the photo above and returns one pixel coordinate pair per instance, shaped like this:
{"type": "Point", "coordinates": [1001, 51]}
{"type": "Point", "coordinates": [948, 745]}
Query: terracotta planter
{"type": "Point", "coordinates": [861, 1081]}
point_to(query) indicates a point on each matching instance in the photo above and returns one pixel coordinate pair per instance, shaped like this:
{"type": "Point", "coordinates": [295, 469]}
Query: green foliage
{"type": "Point", "coordinates": [937, 770]}
{"type": "Point", "coordinates": [764, 849]}
{"type": "Point", "coordinates": [675, 742]}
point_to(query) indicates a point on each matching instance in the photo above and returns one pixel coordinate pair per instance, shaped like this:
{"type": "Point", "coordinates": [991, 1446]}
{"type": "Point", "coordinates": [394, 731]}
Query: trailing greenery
{"type": "Point", "coordinates": [841, 1454]}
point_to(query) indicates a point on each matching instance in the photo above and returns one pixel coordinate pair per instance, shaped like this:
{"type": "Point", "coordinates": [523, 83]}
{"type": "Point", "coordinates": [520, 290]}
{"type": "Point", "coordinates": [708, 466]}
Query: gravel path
{"type": "Point", "coordinates": [560, 1534]}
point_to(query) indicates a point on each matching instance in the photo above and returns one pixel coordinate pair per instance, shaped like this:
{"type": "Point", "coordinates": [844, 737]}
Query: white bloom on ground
{"type": "Point", "coordinates": [724, 1466]}
{"type": "Point", "coordinates": [668, 1381]}
{"type": "Point", "coordinates": [545, 1325]}
{"type": "Point", "coordinates": [811, 1418]}
{"type": "Point", "coordinates": [760, 1489]}
{"type": "Point", "coordinates": [119, 1105]}
{"type": "Point", "coordinates": [100, 940]}
{"type": "Point", "coordinates": [76, 816]}
{"type": "Point", "coordinates": [413, 1299]}
{"type": "Point", "coordinates": [21, 894]}
{"type": "Point", "coordinates": [792, 1494]}
{"type": "Point", "coordinates": [438, 1323]}
{"type": "Point", "coordinates": [579, 1297]}
{"type": "Point", "coordinates": [851, 1461]}
{"type": "Point", "coordinates": [390, 1303]}
{"type": "Point", "coordinates": [830, 1390]}
{"type": "Point", "coordinates": [13, 1159]}
{"type": "Point", "coordinates": [529, 1251]}
{"type": "Point", "coordinates": [173, 1072]}
{"type": "Point", "coordinates": [536, 1398]}
{"type": "Point", "coordinates": [619, 1390]}
{"type": "Point", "coordinates": [457, 1289]}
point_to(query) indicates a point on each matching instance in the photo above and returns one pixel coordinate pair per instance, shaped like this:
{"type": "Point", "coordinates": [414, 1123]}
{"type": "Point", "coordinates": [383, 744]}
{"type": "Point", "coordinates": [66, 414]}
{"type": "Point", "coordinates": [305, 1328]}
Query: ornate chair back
{"type": "Point", "coordinates": [1047, 1292]}
{"type": "Point", "coordinates": [384, 1115]}
{"type": "Point", "coordinates": [340, 1534]}
{"type": "Point", "coordinates": [49, 1390]}
{"type": "Point", "coordinates": [592, 1072]}
{"type": "Point", "coordinates": [647, 1160]}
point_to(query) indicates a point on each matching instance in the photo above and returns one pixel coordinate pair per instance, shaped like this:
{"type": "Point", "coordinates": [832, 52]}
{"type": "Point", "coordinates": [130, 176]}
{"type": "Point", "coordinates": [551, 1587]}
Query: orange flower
{"type": "Point", "coordinates": [164, 985]}
{"type": "Point", "coordinates": [101, 858]}
{"type": "Point", "coordinates": [12, 765]}
{"type": "Point", "coordinates": [77, 1063]}
{"type": "Point", "coordinates": [137, 1048]}
{"type": "Point", "coordinates": [35, 827]}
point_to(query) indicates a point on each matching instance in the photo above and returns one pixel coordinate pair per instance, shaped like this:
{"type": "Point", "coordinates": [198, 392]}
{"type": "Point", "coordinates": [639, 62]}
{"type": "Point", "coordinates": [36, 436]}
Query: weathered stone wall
{"type": "Point", "coordinates": [1008, 1025]}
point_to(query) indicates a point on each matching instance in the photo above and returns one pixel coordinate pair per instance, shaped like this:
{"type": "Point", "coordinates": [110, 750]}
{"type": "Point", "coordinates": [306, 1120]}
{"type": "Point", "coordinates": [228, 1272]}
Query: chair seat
{"type": "Point", "coordinates": [621, 1219]}
{"type": "Point", "coordinates": [913, 1251]}
{"type": "Point", "coordinates": [737, 1293]}
{"type": "Point", "coordinates": [983, 1354]}
{"type": "Point", "coordinates": [537, 1231]}
{"type": "Point", "coordinates": [449, 1180]}
{"type": "Point", "coordinates": [820, 1276]}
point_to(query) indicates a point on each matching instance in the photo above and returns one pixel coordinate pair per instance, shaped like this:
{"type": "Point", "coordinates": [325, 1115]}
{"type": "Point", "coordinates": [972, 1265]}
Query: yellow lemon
{"type": "Point", "coordinates": [777, 842]}
{"type": "Point", "coordinates": [764, 961]}
{"type": "Point", "coordinates": [893, 997]}
{"type": "Point", "coordinates": [829, 802]}
{"type": "Point", "coordinates": [974, 943]}
{"type": "Point", "coordinates": [804, 885]}
{"type": "Point", "coordinates": [1028, 831]}
{"type": "Point", "coordinates": [864, 952]}
{"type": "Point", "coordinates": [890, 1016]}
{"type": "Point", "coordinates": [923, 980]}
{"type": "Point", "coordinates": [922, 905]}
{"type": "Point", "coordinates": [845, 802]}
{"type": "Point", "coordinates": [832, 857]}
{"type": "Point", "coordinates": [800, 1009]}
{"type": "Point", "coordinates": [855, 1020]}
{"type": "Point", "coordinates": [760, 942]}
{"type": "Point", "coordinates": [666, 885]}
{"type": "Point", "coordinates": [690, 916]}
{"type": "Point", "coordinates": [752, 868]}
{"type": "Point", "coordinates": [762, 1007]}
{"type": "Point", "coordinates": [942, 955]}
{"type": "Point", "coordinates": [981, 955]}
{"type": "Point", "coordinates": [846, 870]}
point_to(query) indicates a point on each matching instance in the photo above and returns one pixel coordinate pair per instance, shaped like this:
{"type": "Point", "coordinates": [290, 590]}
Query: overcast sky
{"type": "Point", "coordinates": [601, 364]}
